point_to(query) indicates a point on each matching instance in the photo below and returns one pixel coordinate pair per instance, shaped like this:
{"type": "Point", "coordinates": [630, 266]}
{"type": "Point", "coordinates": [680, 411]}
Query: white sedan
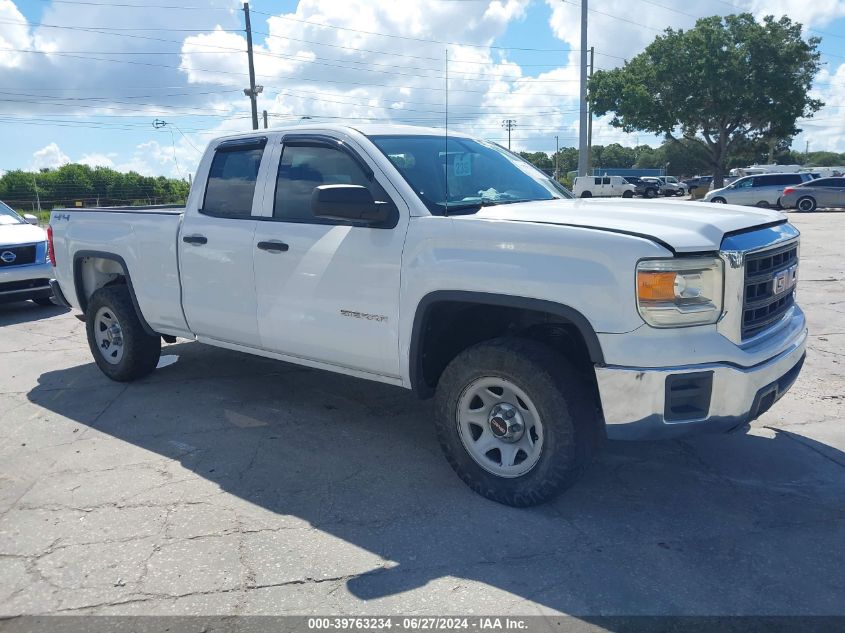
{"type": "Point", "coordinates": [25, 269]}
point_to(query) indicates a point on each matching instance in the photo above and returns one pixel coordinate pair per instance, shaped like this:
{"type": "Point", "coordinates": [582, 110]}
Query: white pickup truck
{"type": "Point", "coordinates": [447, 265]}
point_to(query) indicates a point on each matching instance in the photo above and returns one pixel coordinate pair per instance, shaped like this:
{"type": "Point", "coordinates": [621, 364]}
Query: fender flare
{"type": "Point", "coordinates": [78, 258]}
{"type": "Point", "coordinates": [564, 312]}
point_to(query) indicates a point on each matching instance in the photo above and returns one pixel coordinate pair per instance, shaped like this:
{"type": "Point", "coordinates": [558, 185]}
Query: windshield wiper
{"type": "Point", "coordinates": [475, 204]}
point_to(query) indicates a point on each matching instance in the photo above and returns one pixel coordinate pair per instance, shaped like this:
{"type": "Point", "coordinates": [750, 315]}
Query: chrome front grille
{"type": "Point", "coordinates": [768, 288]}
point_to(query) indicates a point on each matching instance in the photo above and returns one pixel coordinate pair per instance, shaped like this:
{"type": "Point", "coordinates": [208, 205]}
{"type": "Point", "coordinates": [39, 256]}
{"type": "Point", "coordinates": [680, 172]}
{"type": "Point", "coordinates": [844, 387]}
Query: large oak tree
{"type": "Point", "coordinates": [727, 82]}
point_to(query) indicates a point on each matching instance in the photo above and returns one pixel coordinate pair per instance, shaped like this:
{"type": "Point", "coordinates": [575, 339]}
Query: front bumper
{"type": "Point", "coordinates": [638, 402]}
{"type": "Point", "coordinates": [31, 281]}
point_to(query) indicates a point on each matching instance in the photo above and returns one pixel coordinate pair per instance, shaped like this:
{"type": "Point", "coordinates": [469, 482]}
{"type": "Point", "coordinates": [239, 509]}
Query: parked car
{"type": "Point", "coordinates": [602, 187]}
{"type": "Point", "coordinates": [672, 186]}
{"type": "Point", "coordinates": [763, 190]}
{"type": "Point", "coordinates": [822, 192]}
{"type": "Point", "coordinates": [662, 189]}
{"type": "Point", "coordinates": [643, 187]}
{"type": "Point", "coordinates": [698, 182]}
{"type": "Point", "coordinates": [540, 324]}
{"type": "Point", "coordinates": [24, 270]}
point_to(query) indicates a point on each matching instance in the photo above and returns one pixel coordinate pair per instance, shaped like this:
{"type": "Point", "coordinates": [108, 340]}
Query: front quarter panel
{"type": "Point", "coordinates": [589, 270]}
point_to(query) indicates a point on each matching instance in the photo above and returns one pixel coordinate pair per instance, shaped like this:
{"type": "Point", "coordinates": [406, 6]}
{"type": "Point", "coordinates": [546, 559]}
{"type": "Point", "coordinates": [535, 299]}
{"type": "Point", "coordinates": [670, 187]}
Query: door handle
{"type": "Point", "coordinates": [195, 239]}
{"type": "Point", "coordinates": [273, 247]}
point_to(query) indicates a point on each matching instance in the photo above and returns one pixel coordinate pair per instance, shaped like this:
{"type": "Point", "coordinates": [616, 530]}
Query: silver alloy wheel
{"type": "Point", "coordinates": [109, 335]}
{"type": "Point", "coordinates": [500, 427]}
{"type": "Point", "coordinates": [806, 204]}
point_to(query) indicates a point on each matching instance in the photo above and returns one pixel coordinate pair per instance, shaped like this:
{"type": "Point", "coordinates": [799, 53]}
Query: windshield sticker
{"type": "Point", "coordinates": [462, 165]}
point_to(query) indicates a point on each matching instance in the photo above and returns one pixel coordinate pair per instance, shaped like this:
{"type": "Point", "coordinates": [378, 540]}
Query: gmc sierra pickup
{"type": "Point", "coordinates": [540, 323]}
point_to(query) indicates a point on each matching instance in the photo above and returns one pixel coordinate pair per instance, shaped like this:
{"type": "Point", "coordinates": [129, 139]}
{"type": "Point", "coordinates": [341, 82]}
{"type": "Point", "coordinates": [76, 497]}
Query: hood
{"type": "Point", "coordinates": [11, 234]}
{"type": "Point", "coordinates": [684, 226]}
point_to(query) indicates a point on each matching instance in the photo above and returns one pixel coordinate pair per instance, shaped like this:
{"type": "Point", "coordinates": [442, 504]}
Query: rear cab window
{"type": "Point", "coordinates": [230, 189]}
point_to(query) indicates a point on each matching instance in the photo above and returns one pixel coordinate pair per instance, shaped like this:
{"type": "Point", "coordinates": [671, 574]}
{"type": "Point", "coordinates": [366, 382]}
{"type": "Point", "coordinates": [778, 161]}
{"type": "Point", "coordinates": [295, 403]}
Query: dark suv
{"type": "Point", "coordinates": [644, 188]}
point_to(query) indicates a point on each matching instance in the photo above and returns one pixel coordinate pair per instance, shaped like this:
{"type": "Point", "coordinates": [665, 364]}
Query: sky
{"type": "Point", "coordinates": [84, 80]}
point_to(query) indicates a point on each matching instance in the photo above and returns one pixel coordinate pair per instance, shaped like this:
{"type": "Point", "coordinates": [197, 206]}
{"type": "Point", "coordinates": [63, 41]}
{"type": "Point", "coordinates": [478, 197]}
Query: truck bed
{"type": "Point", "coordinates": [143, 240]}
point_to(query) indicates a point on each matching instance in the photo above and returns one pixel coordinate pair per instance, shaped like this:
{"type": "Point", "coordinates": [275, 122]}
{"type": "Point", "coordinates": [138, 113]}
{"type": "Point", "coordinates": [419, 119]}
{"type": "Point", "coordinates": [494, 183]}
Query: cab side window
{"type": "Point", "coordinates": [305, 167]}
{"type": "Point", "coordinates": [231, 181]}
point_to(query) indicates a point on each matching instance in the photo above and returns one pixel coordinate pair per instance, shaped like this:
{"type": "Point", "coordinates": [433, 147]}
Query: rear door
{"type": "Point", "coordinates": [216, 243]}
{"type": "Point", "coordinates": [837, 193]}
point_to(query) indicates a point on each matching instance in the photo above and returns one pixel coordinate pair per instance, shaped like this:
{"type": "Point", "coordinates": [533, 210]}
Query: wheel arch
{"type": "Point", "coordinates": [554, 314]}
{"type": "Point", "coordinates": [93, 270]}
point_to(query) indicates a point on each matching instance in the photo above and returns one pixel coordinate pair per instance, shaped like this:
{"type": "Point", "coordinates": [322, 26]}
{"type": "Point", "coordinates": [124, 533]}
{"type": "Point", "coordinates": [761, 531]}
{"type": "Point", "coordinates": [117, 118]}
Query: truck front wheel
{"type": "Point", "coordinates": [121, 347]}
{"type": "Point", "coordinates": [516, 422]}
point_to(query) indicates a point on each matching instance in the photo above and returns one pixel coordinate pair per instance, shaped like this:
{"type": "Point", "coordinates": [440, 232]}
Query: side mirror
{"type": "Point", "coordinates": [352, 203]}
{"type": "Point", "coordinates": [31, 219]}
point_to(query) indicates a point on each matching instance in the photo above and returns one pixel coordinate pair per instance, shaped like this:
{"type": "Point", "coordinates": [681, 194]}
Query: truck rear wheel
{"type": "Point", "coordinates": [516, 422]}
{"type": "Point", "coordinates": [121, 347]}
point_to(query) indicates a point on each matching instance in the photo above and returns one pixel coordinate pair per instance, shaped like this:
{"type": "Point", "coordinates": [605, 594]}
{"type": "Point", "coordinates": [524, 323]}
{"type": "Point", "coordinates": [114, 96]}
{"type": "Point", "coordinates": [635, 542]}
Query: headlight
{"type": "Point", "coordinates": [676, 292]}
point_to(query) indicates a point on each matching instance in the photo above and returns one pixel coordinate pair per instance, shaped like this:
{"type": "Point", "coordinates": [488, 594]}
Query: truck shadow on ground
{"type": "Point", "coordinates": [27, 311]}
{"type": "Point", "coordinates": [735, 524]}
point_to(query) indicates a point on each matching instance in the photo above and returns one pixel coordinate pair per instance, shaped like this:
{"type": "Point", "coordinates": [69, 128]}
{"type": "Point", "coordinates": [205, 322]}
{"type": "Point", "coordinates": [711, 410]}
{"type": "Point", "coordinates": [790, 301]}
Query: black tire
{"type": "Point", "coordinates": [586, 194]}
{"type": "Point", "coordinates": [650, 193]}
{"type": "Point", "coordinates": [763, 204]}
{"type": "Point", "coordinates": [46, 302]}
{"type": "Point", "coordinates": [627, 194]}
{"type": "Point", "coordinates": [806, 204]}
{"type": "Point", "coordinates": [565, 404]}
{"type": "Point", "coordinates": [141, 350]}
{"type": "Point", "coordinates": [719, 200]}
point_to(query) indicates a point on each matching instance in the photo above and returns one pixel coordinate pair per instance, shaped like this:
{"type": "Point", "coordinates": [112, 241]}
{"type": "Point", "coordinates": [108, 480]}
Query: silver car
{"type": "Point", "coordinates": [762, 190]}
{"type": "Point", "coordinates": [823, 192]}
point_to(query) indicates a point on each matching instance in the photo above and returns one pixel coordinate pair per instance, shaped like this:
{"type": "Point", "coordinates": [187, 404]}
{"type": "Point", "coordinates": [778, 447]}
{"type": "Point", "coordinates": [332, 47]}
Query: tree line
{"type": "Point", "coordinates": [683, 158]}
{"type": "Point", "coordinates": [81, 185]}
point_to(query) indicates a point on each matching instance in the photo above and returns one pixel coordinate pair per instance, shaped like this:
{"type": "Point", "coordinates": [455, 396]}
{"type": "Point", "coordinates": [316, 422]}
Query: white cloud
{"type": "Point", "coordinates": [97, 160]}
{"type": "Point", "coordinates": [49, 157]}
{"type": "Point", "coordinates": [826, 129]}
{"type": "Point", "coordinates": [14, 34]}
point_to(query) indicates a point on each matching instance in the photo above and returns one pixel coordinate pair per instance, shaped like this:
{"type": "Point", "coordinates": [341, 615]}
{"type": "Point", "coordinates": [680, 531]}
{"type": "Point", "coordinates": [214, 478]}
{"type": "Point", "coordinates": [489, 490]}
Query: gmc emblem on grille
{"type": "Point", "coordinates": [785, 280]}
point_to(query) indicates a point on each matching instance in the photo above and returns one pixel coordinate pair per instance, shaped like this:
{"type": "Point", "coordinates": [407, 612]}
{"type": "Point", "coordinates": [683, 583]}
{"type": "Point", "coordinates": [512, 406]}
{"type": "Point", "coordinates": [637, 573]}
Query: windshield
{"type": "Point", "coordinates": [465, 174]}
{"type": "Point", "coordinates": [8, 215]}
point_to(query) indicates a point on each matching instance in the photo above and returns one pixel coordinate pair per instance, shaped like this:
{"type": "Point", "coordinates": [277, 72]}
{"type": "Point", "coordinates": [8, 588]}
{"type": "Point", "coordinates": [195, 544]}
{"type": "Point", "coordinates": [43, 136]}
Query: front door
{"type": "Point", "coordinates": [216, 243]}
{"type": "Point", "coordinates": [328, 290]}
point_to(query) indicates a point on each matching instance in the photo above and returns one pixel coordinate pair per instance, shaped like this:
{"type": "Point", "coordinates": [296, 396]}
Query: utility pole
{"type": "Point", "coordinates": [583, 166]}
{"type": "Point", "coordinates": [253, 91]}
{"type": "Point", "coordinates": [509, 124]}
{"type": "Point", "coordinates": [557, 153]}
{"type": "Point", "coordinates": [37, 197]}
{"type": "Point", "coordinates": [265, 119]}
{"type": "Point", "coordinates": [590, 114]}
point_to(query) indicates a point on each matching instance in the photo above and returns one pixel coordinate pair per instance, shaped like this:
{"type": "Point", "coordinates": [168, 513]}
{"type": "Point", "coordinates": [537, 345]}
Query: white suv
{"type": "Point", "coordinates": [602, 187]}
{"type": "Point", "coordinates": [25, 269]}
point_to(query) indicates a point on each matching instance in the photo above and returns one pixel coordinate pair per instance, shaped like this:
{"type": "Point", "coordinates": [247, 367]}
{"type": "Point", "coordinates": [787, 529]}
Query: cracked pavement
{"type": "Point", "coordinates": [226, 484]}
